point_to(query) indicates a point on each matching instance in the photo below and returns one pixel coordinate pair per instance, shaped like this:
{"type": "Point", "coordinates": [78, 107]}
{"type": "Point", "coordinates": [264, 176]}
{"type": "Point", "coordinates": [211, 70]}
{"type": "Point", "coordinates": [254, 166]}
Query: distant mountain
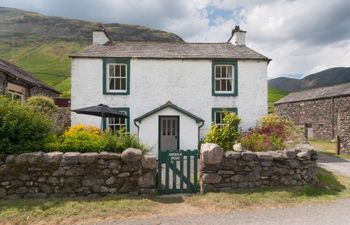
{"type": "Point", "coordinates": [329, 77]}
{"type": "Point", "coordinates": [43, 43]}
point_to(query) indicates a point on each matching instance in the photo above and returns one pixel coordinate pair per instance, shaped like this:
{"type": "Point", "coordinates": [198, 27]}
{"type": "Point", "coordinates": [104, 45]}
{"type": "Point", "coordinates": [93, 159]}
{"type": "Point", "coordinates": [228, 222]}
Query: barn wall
{"type": "Point", "coordinates": [320, 114]}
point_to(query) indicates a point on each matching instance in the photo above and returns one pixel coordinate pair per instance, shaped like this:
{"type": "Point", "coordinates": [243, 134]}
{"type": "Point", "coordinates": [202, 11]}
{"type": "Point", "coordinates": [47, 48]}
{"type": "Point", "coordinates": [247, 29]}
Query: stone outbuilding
{"type": "Point", "coordinates": [322, 112]}
{"type": "Point", "coordinates": [20, 84]}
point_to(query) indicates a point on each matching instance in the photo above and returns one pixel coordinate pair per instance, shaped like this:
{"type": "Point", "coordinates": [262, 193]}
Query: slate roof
{"type": "Point", "coordinates": [161, 50]}
{"type": "Point", "coordinates": [317, 93]}
{"type": "Point", "coordinates": [18, 73]}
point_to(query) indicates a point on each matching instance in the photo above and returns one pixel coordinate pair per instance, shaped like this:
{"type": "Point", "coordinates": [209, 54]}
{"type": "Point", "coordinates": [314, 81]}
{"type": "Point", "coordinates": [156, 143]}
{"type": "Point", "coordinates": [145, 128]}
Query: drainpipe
{"type": "Point", "coordinates": [138, 130]}
{"type": "Point", "coordinates": [199, 136]}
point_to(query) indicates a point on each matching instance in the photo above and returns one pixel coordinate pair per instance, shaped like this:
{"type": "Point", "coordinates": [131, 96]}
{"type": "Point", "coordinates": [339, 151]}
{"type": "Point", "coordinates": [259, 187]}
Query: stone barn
{"type": "Point", "coordinates": [322, 112]}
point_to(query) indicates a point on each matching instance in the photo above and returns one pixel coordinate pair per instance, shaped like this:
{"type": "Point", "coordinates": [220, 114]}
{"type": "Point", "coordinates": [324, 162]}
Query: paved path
{"type": "Point", "coordinates": [341, 166]}
{"type": "Point", "coordinates": [335, 213]}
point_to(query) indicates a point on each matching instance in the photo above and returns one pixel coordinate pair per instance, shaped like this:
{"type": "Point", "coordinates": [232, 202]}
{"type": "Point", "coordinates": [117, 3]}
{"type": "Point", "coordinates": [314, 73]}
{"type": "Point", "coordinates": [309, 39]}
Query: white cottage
{"type": "Point", "coordinates": [172, 92]}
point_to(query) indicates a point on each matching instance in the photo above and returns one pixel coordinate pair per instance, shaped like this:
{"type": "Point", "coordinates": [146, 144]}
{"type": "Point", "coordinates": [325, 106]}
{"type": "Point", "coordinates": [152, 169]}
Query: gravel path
{"type": "Point", "coordinates": [341, 166]}
{"type": "Point", "coordinates": [313, 214]}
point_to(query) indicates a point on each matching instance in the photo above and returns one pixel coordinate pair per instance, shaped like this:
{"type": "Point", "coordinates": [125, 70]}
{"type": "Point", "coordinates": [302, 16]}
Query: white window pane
{"type": "Point", "coordinates": [217, 85]}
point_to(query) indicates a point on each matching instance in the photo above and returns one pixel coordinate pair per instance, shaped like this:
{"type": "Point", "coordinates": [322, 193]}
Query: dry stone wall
{"type": "Point", "coordinates": [221, 171]}
{"type": "Point", "coordinates": [344, 131]}
{"type": "Point", "coordinates": [70, 174]}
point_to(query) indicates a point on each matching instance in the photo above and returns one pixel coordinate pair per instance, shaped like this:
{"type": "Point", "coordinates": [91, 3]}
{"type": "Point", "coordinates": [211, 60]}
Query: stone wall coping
{"type": "Point", "coordinates": [128, 155]}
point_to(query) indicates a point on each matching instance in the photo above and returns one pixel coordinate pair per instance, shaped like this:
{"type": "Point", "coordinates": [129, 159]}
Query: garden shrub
{"type": "Point", "coordinates": [122, 140]}
{"type": "Point", "coordinates": [82, 138]}
{"type": "Point", "coordinates": [21, 128]}
{"type": "Point", "coordinates": [271, 133]}
{"type": "Point", "coordinates": [42, 104]}
{"type": "Point", "coordinates": [227, 134]}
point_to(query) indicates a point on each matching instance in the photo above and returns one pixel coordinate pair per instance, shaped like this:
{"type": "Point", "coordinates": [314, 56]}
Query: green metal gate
{"type": "Point", "coordinates": [177, 171]}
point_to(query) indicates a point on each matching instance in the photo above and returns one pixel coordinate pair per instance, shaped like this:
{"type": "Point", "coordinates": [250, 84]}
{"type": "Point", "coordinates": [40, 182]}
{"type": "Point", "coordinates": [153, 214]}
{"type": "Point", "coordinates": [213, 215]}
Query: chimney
{"type": "Point", "coordinates": [100, 36]}
{"type": "Point", "coordinates": [237, 37]}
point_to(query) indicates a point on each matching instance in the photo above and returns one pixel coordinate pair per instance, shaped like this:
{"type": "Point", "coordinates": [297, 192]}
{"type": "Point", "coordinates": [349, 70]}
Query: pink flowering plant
{"type": "Point", "coordinates": [271, 133]}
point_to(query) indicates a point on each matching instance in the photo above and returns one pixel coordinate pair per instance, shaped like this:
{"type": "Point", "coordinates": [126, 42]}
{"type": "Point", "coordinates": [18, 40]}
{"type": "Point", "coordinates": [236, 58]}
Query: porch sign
{"type": "Point", "coordinates": [177, 171]}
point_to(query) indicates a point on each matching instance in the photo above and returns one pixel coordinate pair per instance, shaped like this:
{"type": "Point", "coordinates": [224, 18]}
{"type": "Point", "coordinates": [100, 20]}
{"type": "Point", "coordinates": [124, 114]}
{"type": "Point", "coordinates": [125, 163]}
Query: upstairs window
{"type": "Point", "coordinates": [224, 78]}
{"type": "Point", "coordinates": [116, 76]}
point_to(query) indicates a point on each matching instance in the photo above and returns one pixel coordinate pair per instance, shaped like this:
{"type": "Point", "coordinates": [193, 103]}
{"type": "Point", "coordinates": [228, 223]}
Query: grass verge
{"type": "Point", "coordinates": [327, 147]}
{"type": "Point", "coordinates": [83, 210]}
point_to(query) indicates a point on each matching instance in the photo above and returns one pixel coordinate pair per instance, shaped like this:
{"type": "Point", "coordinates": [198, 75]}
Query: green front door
{"type": "Point", "coordinates": [177, 171]}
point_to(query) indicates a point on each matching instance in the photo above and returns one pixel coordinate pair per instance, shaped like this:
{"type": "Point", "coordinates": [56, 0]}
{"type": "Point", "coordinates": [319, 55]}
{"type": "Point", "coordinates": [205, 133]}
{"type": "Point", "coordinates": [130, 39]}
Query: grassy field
{"type": "Point", "coordinates": [49, 61]}
{"type": "Point", "coordinates": [84, 210]}
{"type": "Point", "coordinates": [327, 147]}
{"type": "Point", "coordinates": [274, 95]}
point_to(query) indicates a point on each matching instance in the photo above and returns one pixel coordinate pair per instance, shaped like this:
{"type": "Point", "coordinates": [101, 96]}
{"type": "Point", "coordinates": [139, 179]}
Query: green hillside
{"type": "Point", "coordinates": [273, 96]}
{"type": "Point", "coordinates": [42, 44]}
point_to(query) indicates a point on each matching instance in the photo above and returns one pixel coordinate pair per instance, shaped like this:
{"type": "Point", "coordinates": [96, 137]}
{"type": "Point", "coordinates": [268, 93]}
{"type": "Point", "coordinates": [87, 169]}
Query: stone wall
{"type": "Point", "coordinates": [320, 114]}
{"type": "Point", "coordinates": [62, 119]}
{"type": "Point", "coordinates": [344, 131]}
{"type": "Point", "coordinates": [221, 171]}
{"type": "Point", "coordinates": [42, 91]}
{"type": "Point", "coordinates": [58, 174]}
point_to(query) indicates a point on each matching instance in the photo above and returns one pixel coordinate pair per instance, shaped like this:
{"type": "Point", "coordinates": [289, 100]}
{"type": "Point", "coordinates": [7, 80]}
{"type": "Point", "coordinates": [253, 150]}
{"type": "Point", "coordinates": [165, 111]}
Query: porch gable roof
{"type": "Point", "coordinates": [173, 106]}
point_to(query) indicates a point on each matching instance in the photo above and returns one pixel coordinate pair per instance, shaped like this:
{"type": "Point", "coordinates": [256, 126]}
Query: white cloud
{"type": "Point", "coordinates": [301, 36]}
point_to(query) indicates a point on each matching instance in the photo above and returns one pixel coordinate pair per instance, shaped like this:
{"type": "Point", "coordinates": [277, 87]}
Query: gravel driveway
{"type": "Point", "coordinates": [341, 166]}
{"type": "Point", "coordinates": [335, 213]}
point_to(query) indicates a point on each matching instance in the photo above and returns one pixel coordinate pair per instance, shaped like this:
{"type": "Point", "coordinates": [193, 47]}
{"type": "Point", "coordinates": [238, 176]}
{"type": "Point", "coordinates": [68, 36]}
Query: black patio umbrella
{"type": "Point", "coordinates": [100, 110]}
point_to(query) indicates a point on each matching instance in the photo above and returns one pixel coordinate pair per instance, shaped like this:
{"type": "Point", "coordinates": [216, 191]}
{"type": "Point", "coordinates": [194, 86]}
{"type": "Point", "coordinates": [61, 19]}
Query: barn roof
{"type": "Point", "coordinates": [161, 50]}
{"type": "Point", "coordinates": [18, 73]}
{"type": "Point", "coordinates": [317, 93]}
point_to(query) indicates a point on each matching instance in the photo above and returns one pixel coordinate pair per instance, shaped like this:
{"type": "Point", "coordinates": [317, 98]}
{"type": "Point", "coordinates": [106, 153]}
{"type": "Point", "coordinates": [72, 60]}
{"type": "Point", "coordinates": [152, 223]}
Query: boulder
{"type": "Point", "coordinates": [149, 162]}
{"type": "Point", "coordinates": [237, 147]}
{"type": "Point", "coordinates": [29, 158]}
{"type": "Point", "coordinates": [109, 155]}
{"type": "Point", "coordinates": [233, 155]}
{"type": "Point", "coordinates": [148, 180]}
{"type": "Point", "coordinates": [304, 155]}
{"type": "Point", "coordinates": [290, 154]}
{"type": "Point", "coordinates": [70, 158]}
{"type": "Point", "coordinates": [52, 157]}
{"type": "Point", "coordinates": [131, 155]}
{"type": "Point", "coordinates": [211, 178]}
{"type": "Point", "coordinates": [264, 155]}
{"type": "Point", "coordinates": [248, 155]}
{"type": "Point", "coordinates": [88, 158]}
{"type": "Point", "coordinates": [211, 153]}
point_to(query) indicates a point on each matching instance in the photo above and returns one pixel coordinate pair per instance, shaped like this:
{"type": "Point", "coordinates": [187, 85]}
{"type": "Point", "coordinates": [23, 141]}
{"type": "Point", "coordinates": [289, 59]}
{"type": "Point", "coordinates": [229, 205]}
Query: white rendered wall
{"type": "Point", "coordinates": [186, 83]}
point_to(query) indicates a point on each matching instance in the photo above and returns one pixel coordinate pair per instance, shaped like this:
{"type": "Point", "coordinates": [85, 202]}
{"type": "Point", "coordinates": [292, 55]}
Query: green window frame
{"type": "Point", "coordinates": [222, 78]}
{"type": "Point", "coordinates": [118, 121]}
{"type": "Point", "coordinates": [118, 78]}
{"type": "Point", "coordinates": [216, 111]}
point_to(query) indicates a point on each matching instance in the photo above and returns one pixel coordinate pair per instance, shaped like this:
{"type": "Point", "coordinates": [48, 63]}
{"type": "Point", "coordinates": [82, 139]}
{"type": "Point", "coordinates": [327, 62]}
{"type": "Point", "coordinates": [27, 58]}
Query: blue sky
{"type": "Point", "coordinates": [301, 36]}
